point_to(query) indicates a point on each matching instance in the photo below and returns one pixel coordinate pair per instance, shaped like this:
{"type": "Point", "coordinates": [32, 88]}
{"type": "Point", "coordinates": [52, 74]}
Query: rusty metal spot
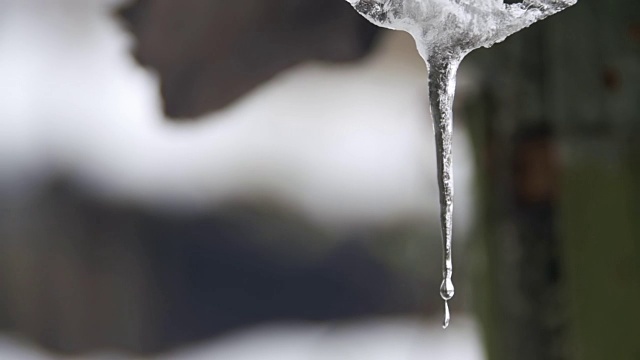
{"type": "Point", "coordinates": [634, 32]}
{"type": "Point", "coordinates": [536, 168]}
{"type": "Point", "coordinates": [611, 79]}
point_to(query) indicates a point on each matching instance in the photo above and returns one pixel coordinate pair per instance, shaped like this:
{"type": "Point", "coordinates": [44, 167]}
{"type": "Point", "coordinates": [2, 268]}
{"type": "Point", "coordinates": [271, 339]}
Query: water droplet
{"type": "Point", "coordinates": [447, 290]}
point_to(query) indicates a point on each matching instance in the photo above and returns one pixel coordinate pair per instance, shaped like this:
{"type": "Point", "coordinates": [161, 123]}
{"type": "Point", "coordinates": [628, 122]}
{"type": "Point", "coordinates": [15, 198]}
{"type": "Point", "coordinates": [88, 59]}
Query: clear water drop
{"type": "Point", "coordinates": [446, 290]}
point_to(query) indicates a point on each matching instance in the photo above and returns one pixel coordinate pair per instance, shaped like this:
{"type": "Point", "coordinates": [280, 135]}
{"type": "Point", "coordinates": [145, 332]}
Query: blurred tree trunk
{"type": "Point", "coordinates": [556, 129]}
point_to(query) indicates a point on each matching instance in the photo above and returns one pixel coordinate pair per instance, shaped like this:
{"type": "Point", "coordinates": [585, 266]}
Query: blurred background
{"type": "Point", "coordinates": [207, 179]}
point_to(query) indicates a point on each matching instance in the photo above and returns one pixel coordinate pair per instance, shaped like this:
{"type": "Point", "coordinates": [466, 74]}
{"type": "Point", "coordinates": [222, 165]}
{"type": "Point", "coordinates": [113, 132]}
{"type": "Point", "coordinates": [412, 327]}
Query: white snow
{"type": "Point", "coordinates": [457, 26]}
{"type": "Point", "coordinates": [376, 339]}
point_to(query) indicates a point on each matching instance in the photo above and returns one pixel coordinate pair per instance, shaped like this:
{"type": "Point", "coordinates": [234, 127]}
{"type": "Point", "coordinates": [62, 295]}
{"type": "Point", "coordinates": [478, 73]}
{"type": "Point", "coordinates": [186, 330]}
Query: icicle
{"type": "Point", "coordinates": [442, 85]}
{"type": "Point", "coordinates": [445, 31]}
{"type": "Point", "coordinates": [447, 315]}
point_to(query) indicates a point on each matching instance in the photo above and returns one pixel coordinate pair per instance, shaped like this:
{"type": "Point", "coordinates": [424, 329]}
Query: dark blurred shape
{"type": "Point", "coordinates": [209, 53]}
{"type": "Point", "coordinates": [535, 166]}
{"type": "Point", "coordinates": [611, 78]}
{"type": "Point", "coordinates": [79, 274]}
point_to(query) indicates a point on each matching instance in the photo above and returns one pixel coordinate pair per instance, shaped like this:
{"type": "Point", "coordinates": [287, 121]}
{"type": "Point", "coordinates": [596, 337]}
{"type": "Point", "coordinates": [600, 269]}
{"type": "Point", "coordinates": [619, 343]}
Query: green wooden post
{"type": "Point", "coordinates": [557, 137]}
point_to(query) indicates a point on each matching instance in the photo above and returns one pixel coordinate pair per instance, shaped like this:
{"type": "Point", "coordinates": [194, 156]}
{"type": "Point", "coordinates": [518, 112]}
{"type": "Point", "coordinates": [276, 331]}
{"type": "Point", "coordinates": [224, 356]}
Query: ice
{"type": "Point", "coordinates": [445, 31]}
{"type": "Point", "coordinates": [456, 27]}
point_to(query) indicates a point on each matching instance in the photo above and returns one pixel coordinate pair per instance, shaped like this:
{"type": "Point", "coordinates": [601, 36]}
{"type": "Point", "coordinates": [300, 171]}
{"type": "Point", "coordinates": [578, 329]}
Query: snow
{"type": "Point", "coordinates": [375, 339]}
{"type": "Point", "coordinates": [457, 26]}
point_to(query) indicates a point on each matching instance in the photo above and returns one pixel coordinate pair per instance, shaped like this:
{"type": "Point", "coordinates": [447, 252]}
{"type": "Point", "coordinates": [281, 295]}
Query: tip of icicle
{"type": "Point", "coordinates": [445, 324]}
{"type": "Point", "coordinates": [447, 315]}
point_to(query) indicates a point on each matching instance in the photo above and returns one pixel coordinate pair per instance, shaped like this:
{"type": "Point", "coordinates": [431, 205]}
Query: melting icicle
{"type": "Point", "coordinates": [445, 31]}
{"type": "Point", "coordinates": [447, 315]}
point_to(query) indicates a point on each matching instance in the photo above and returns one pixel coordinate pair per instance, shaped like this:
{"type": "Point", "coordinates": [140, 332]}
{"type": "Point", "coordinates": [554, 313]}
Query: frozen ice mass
{"type": "Point", "coordinates": [445, 31]}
